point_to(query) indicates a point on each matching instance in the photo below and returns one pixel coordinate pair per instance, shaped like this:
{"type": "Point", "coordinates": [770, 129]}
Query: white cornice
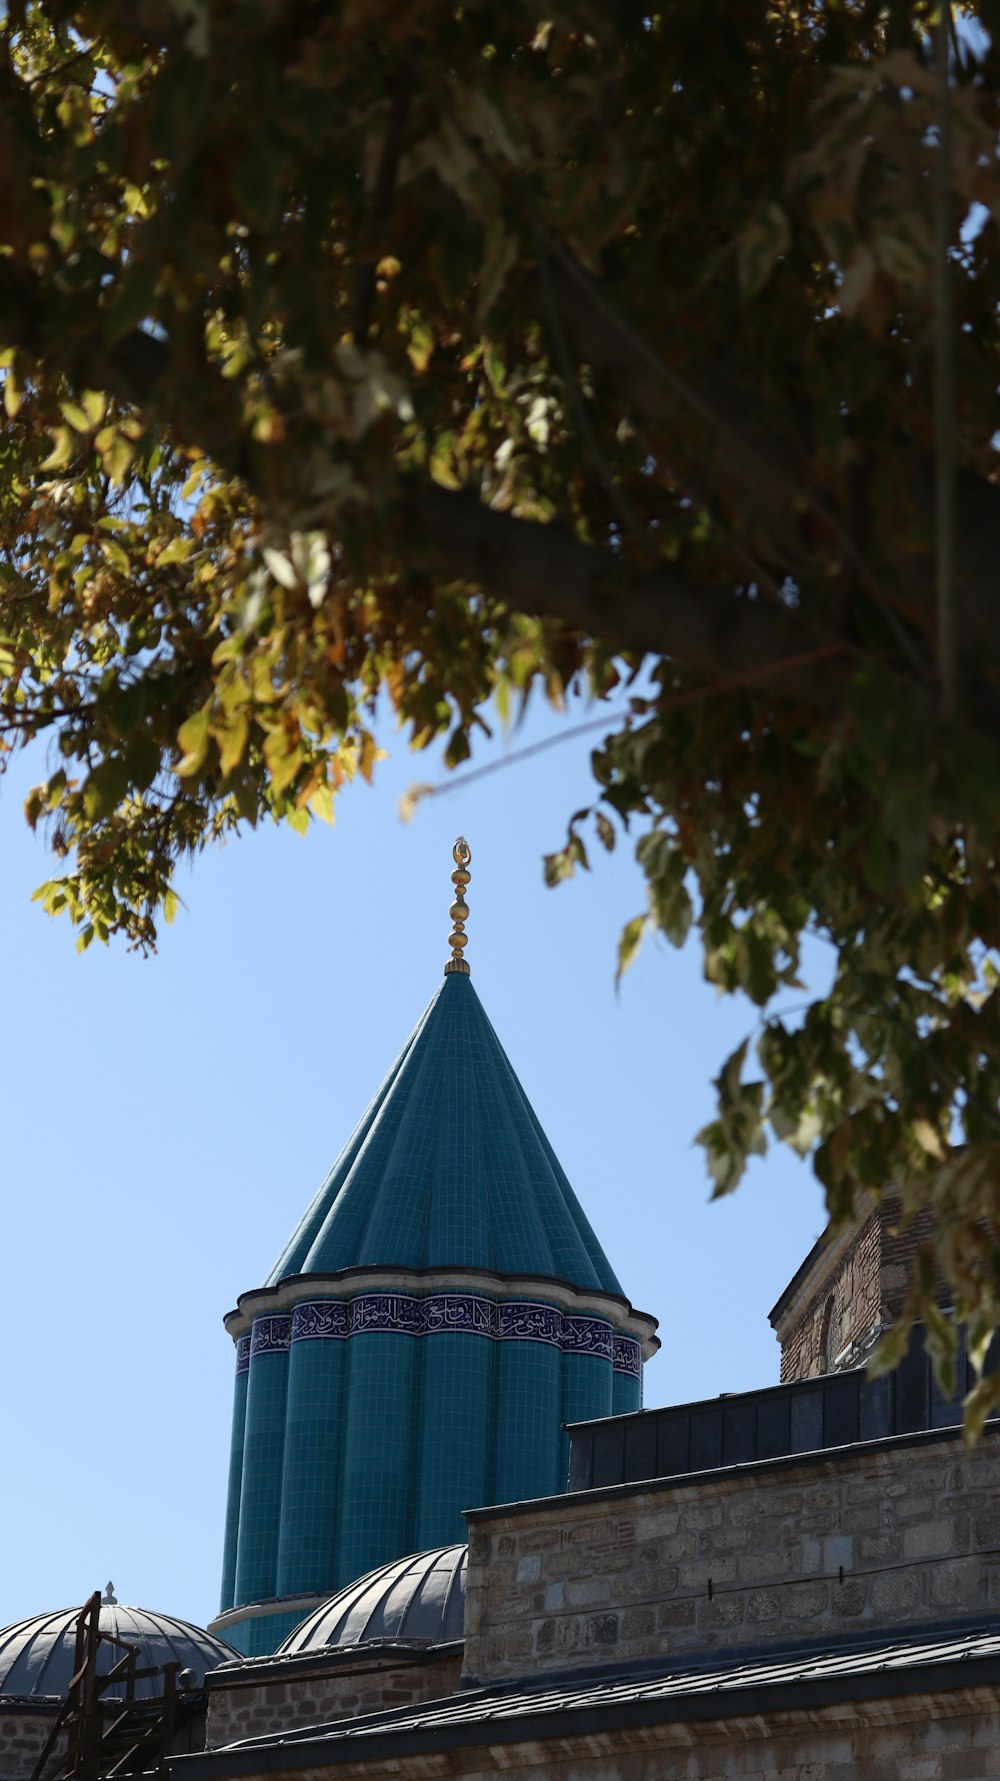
{"type": "Point", "coordinates": [354, 1281]}
{"type": "Point", "coordinates": [292, 1604]}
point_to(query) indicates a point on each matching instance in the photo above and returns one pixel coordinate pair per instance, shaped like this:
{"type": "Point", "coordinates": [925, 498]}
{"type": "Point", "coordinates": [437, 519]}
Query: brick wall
{"type": "Point", "coordinates": [898, 1251]}
{"type": "Point", "coordinates": [239, 1707]}
{"type": "Point", "coordinates": [849, 1299]}
{"type": "Point", "coordinates": [775, 1550]}
{"type": "Point", "coordinates": [835, 1306]}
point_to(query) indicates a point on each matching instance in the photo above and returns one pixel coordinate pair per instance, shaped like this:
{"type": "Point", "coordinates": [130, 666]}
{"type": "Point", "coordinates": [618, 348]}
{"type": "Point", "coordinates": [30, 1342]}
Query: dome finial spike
{"type": "Point", "coordinates": [109, 1598]}
{"type": "Point", "coordinates": [461, 853]}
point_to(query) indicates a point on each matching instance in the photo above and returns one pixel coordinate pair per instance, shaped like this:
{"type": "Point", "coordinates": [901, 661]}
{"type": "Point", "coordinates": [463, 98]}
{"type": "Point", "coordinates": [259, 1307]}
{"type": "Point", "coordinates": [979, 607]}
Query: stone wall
{"type": "Point", "coordinates": [775, 1550]}
{"type": "Point", "coordinates": [24, 1728]}
{"type": "Point", "coordinates": [242, 1704]}
{"type": "Point", "coordinates": [23, 1732]}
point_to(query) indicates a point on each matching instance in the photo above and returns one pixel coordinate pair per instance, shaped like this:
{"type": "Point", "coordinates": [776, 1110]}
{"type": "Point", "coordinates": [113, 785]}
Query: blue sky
{"type": "Point", "coordinates": [168, 1120]}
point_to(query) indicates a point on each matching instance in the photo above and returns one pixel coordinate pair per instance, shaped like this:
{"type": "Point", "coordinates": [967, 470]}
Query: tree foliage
{"type": "Point", "coordinates": [451, 351]}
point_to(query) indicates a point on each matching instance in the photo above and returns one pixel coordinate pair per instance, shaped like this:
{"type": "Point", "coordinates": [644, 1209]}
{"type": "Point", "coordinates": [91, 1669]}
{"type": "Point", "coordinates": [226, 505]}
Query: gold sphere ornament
{"type": "Point", "coordinates": [461, 853]}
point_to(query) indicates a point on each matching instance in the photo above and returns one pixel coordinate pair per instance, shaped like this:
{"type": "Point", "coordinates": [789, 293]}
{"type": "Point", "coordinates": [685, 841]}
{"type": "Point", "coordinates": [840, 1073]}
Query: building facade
{"type": "Point", "coordinates": [456, 1545]}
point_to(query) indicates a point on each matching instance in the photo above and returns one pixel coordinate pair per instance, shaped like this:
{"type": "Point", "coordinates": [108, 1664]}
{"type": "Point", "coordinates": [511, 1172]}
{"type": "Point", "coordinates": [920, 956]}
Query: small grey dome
{"type": "Point", "coordinates": [36, 1655]}
{"type": "Point", "coordinates": [422, 1597]}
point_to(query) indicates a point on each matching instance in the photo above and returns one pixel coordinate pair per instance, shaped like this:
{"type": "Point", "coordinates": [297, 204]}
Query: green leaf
{"type": "Point", "coordinates": [193, 738]}
{"type": "Point", "coordinates": [629, 942]}
{"type": "Point", "coordinates": [116, 555]}
{"type": "Point", "coordinates": [232, 740]}
{"type": "Point", "coordinates": [890, 1349]}
{"type": "Point", "coordinates": [105, 788]}
{"type": "Point", "coordinates": [980, 1403]}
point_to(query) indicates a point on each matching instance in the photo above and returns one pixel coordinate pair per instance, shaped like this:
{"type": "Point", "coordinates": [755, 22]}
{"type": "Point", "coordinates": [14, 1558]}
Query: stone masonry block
{"type": "Point", "coordinates": [850, 1596]}
{"type": "Point", "coordinates": [564, 1564]}
{"type": "Point", "coordinates": [654, 1525]}
{"type": "Point", "coordinates": [861, 1520]}
{"type": "Point", "coordinates": [725, 1539]}
{"type": "Point", "coordinates": [697, 1574]}
{"type": "Point", "coordinates": [955, 1584]}
{"type": "Point", "coordinates": [539, 1539]}
{"type": "Point", "coordinates": [896, 1593]}
{"type": "Point", "coordinates": [601, 1629]}
{"type": "Point", "coordinates": [915, 1508]}
{"type": "Point", "coordinates": [723, 1610]}
{"type": "Point", "coordinates": [805, 1600]}
{"type": "Point", "coordinates": [680, 1546]}
{"type": "Point", "coordinates": [588, 1592]}
{"type": "Point", "coordinates": [647, 1585]}
{"type": "Point", "coordinates": [873, 1547]}
{"type": "Point", "coordinates": [676, 1614]}
{"type": "Point", "coordinates": [763, 1605]}
{"type": "Point", "coordinates": [779, 1502]}
{"type": "Point", "coordinates": [764, 1567]}
{"type": "Point", "coordinates": [929, 1539]}
{"type": "Point", "coordinates": [702, 1515]}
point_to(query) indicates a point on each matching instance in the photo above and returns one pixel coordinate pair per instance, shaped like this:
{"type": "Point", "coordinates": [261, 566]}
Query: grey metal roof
{"type": "Point", "coordinates": [421, 1597]}
{"type": "Point", "coordinates": [802, 1416]}
{"type": "Point", "coordinates": [36, 1655]}
{"type": "Point", "coordinates": [808, 1677]}
{"type": "Point", "coordinates": [473, 1705]}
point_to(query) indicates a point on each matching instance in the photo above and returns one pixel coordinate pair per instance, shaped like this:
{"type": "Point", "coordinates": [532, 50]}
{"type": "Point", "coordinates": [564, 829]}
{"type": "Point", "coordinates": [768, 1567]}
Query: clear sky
{"type": "Point", "coordinates": [168, 1120]}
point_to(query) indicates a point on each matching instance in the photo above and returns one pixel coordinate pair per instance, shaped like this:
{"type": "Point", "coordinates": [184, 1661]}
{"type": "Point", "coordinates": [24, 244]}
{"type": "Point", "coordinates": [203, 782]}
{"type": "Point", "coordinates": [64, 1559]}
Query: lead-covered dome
{"type": "Point", "coordinates": [421, 1597]}
{"type": "Point", "coordinates": [36, 1655]}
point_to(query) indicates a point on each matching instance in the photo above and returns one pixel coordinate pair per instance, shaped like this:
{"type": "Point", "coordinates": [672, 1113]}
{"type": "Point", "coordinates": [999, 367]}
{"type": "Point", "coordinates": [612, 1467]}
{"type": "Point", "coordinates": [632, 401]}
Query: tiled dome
{"type": "Point", "coordinates": [36, 1655]}
{"type": "Point", "coordinates": [422, 1597]}
{"type": "Point", "coordinates": [449, 1167]}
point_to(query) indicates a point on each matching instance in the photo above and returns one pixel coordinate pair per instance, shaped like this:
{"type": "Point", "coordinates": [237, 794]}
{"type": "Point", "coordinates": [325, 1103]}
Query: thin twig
{"type": "Point", "coordinates": [690, 696]}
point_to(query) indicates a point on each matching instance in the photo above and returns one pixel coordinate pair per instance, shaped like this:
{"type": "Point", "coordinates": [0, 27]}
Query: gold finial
{"type": "Point", "coordinates": [461, 853]}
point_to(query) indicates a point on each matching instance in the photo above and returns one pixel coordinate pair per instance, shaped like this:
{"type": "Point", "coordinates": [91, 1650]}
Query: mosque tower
{"type": "Point", "coordinates": [441, 1311]}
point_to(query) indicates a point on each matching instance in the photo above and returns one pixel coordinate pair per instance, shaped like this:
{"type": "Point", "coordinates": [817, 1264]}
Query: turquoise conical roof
{"type": "Point", "coordinates": [449, 1167]}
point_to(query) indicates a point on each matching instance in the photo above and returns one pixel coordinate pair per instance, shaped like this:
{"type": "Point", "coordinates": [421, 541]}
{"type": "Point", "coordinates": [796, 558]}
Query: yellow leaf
{"type": "Point", "coordinates": [193, 739]}
{"type": "Point", "coordinates": [76, 416]}
{"type": "Point", "coordinates": [112, 551]}
{"type": "Point", "coordinates": [928, 1138]}
{"type": "Point", "coordinates": [63, 448]}
{"type": "Point", "coordinates": [175, 552]}
{"type": "Point", "coordinates": [411, 798]}
{"type": "Point", "coordinates": [233, 741]}
{"type": "Point", "coordinates": [368, 756]}
{"type": "Point", "coordinates": [283, 761]}
{"type": "Point", "coordinates": [321, 803]}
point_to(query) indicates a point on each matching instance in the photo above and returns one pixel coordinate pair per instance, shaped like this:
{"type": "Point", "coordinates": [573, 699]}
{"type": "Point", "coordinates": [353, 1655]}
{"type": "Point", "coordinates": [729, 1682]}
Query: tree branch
{"type": "Point", "coordinates": [545, 571]}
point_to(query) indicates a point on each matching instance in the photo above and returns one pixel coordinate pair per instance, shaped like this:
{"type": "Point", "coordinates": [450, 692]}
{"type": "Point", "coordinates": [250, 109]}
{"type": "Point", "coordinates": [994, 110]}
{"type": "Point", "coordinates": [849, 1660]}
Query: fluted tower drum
{"type": "Point", "coordinates": [440, 1312]}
